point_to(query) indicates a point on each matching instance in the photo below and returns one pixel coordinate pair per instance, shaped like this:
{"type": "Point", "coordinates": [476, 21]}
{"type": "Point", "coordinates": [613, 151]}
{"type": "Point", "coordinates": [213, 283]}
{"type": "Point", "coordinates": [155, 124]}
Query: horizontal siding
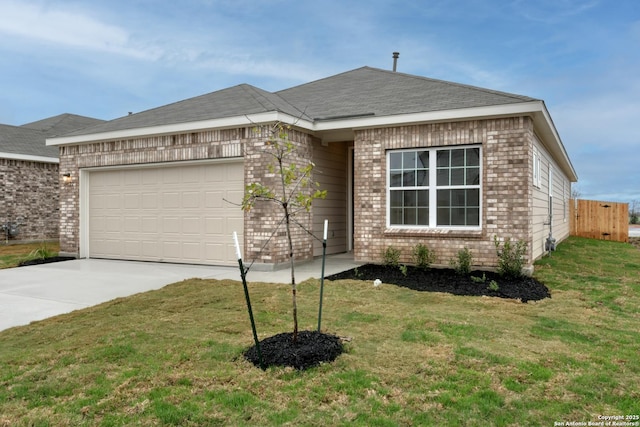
{"type": "Point", "coordinates": [560, 226]}
{"type": "Point", "coordinates": [331, 172]}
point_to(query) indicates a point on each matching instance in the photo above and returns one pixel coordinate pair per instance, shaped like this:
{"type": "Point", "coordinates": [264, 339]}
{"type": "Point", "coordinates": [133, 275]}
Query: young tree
{"type": "Point", "coordinates": [294, 192]}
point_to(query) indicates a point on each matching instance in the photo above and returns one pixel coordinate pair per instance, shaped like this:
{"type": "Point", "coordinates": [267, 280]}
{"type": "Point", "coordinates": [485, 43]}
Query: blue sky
{"type": "Point", "coordinates": [104, 58]}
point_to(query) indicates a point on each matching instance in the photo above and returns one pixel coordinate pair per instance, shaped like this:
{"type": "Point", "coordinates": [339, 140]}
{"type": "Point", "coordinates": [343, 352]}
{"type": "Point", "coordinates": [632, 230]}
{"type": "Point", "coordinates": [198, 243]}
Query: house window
{"type": "Point", "coordinates": [536, 168]}
{"type": "Point", "coordinates": [434, 187]}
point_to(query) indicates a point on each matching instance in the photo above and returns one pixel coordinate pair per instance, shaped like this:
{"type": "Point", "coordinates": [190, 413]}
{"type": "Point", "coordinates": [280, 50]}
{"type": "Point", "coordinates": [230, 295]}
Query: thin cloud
{"type": "Point", "coordinates": [67, 28]}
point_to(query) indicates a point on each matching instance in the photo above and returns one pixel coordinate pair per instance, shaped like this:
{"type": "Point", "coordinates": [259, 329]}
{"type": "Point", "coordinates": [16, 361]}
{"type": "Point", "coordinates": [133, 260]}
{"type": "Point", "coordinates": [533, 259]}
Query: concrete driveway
{"type": "Point", "coordinates": [36, 292]}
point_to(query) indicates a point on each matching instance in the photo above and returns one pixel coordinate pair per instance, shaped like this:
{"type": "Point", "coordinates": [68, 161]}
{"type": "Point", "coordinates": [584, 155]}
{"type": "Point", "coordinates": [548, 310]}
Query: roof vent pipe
{"type": "Point", "coordinates": [395, 60]}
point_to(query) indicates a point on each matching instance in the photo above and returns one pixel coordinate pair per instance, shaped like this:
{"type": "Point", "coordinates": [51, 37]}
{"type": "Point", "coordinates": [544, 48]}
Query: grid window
{"type": "Point", "coordinates": [434, 187]}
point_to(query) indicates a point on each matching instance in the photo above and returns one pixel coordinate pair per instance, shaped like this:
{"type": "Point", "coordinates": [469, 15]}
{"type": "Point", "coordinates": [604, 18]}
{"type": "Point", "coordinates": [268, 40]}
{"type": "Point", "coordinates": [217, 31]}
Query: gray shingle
{"type": "Point", "coordinates": [231, 102]}
{"type": "Point", "coordinates": [29, 139]}
{"type": "Point", "coordinates": [382, 93]}
{"type": "Point", "coordinates": [25, 141]}
{"type": "Point", "coordinates": [62, 124]}
{"type": "Point", "coordinates": [362, 91]}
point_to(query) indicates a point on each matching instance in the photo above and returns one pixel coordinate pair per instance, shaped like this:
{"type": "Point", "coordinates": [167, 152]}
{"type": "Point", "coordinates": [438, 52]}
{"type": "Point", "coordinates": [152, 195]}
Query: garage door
{"type": "Point", "coordinates": [176, 214]}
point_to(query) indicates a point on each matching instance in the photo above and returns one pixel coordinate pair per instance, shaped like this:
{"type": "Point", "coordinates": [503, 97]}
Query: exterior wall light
{"type": "Point", "coordinates": [66, 177]}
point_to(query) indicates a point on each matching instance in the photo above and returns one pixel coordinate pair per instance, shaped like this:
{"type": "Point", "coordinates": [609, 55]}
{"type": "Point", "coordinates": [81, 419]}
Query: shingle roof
{"type": "Point", "coordinates": [363, 91]}
{"type": "Point", "coordinates": [367, 91]}
{"type": "Point", "coordinates": [29, 139]}
{"type": "Point", "coordinates": [62, 124]}
{"type": "Point", "coordinates": [231, 102]}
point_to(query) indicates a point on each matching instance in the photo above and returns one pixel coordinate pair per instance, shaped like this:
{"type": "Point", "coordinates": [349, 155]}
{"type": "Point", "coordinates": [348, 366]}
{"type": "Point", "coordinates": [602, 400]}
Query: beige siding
{"type": "Point", "coordinates": [331, 172]}
{"type": "Point", "coordinates": [561, 188]}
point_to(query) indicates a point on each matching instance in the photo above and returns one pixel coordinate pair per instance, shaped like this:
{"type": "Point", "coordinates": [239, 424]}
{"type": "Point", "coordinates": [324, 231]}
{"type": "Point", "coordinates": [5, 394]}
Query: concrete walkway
{"type": "Point", "coordinates": [36, 292]}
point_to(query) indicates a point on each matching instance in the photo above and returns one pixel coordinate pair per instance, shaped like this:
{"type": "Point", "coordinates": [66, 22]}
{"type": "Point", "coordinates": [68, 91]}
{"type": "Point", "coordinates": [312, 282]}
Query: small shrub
{"type": "Point", "coordinates": [403, 270]}
{"type": "Point", "coordinates": [462, 264]}
{"type": "Point", "coordinates": [482, 279]}
{"type": "Point", "coordinates": [510, 257]}
{"type": "Point", "coordinates": [42, 252]}
{"type": "Point", "coordinates": [423, 257]}
{"type": "Point", "coordinates": [493, 286]}
{"type": "Point", "coordinates": [391, 256]}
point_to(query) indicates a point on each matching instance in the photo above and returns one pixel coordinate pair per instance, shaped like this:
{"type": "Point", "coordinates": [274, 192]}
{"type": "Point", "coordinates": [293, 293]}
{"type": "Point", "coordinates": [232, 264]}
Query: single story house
{"type": "Point", "coordinates": [29, 202]}
{"type": "Point", "coordinates": [405, 159]}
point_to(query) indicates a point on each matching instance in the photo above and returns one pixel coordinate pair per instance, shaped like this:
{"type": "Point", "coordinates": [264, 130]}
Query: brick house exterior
{"type": "Point", "coordinates": [29, 174]}
{"type": "Point", "coordinates": [490, 164]}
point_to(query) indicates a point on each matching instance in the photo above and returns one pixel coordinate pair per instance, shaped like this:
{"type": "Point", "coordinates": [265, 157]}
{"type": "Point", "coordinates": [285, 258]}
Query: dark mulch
{"type": "Point", "coordinates": [45, 260]}
{"type": "Point", "coordinates": [311, 349]}
{"type": "Point", "coordinates": [447, 280]}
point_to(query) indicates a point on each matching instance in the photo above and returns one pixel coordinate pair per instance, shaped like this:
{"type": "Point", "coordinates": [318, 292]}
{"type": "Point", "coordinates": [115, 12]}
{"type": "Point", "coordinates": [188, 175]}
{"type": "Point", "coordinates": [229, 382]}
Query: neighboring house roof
{"type": "Point", "coordinates": [62, 124]}
{"type": "Point", "coordinates": [334, 106]}
{"type": "Point", "coordinates": [27, 142]}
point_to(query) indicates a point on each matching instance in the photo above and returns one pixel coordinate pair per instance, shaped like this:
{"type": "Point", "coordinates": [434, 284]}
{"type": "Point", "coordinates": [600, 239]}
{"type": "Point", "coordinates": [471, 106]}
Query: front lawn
{"type": "Point", "coordinates": [174, 356]}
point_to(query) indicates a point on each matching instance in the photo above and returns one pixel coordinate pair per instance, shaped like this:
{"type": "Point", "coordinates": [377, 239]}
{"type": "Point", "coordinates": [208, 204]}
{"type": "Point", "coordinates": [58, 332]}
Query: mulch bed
{"type": "Point", "coordinates": [311, 349]}
{"type": "Point", "coordinates": [38, 261]}
{"type": "Point", "coordinates": [314, 348]}
{"type": "Point", "coordinates": [447, 280]}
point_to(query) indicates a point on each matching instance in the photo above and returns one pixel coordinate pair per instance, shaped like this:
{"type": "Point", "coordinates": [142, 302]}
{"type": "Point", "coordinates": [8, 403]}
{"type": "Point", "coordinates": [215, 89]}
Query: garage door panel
{"type": "Point", "coordinates": [132, 224]}
{"type": "Point", "coordinates": [191, 225]}
{"type": "Point", "coordinates": [172, 214]}
{"type": "Point", "coordinates": [132, 201]}
{"type": "Point", "coordinates": [171, 200]}
{"type": "Point", "coordinates": [191, 200]}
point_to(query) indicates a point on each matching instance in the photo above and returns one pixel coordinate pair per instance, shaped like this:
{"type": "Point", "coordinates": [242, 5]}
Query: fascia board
{"type": "Point", "coordinates": [29, 158]}
{"type": "Point", "coordinates": [431, 116]}
{"type": "Point", "coordinates": [548, 130]}
{"type": "Point", "coordinates": [228, 122]}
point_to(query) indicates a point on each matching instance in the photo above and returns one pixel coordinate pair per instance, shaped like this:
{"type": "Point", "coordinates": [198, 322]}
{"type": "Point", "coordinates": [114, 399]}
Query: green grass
{"type": "Point", "coordinates": [174, 356]}
{"type": "Point", "coordinates": [12, 255]}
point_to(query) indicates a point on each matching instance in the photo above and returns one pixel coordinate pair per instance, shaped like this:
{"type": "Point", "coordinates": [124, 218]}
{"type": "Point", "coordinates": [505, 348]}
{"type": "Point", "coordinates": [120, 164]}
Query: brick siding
{"type": "Point", "coordinates": [506, 191]}
{"type": "Point", "coordinates": [215, 144]}
{"type": "Point", "coordinates": [30, 195]}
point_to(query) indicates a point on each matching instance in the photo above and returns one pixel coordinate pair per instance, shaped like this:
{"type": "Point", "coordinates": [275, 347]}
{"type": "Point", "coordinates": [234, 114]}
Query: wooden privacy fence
{"type": "Point", "coordinates": [599, 220]}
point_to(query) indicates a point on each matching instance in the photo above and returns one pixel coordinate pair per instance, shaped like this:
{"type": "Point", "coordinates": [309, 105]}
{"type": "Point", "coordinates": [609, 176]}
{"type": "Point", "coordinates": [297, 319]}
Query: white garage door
{"type": "Point", "coordinates": [169, 214]}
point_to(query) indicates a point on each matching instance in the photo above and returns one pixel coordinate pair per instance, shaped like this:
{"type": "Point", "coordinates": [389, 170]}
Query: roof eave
{"type": "Point", "coordinates": [222, 123]}
{"type": "Point", "coordinates": [29, 158]}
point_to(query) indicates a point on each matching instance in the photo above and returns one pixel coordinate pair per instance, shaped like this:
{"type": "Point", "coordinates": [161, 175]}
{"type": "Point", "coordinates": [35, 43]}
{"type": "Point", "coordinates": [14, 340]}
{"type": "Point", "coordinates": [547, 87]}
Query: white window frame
{"type": "Point", "coordinates": [536, 168]}
{"type": "Point", "coordinates": [433, 187]}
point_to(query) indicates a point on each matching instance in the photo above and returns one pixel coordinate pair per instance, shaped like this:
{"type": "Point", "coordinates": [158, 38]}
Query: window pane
{"type": "Point", "coordinates": [444, 198]}
{"type": "Point", "coordinates": [395, 161]}
{"type": "Point", "coordinates": [396, 216]}
{"type": "Point", "coordinates": [422, 178]}
{"type": "Point", "coordinates": [443, 176]}
{"type": "Point", "coordinates": [443, 216]}
{"type": "Point", "coordinates": [443, 158]}
{"type": "Point", "coordinates": [473, 157]}
{"type": "Point", "coordinates": [473, 176]}
{"type": "Point", "coordinates": [473, 198]}
{"type": "Point", "coordinates": [410, 216]}
{"type": "Point", "coordinates": [457, 157]}
{"type": "Point", "coordinates": [457, 176]}
{"type": "Point", "coordinates": [458, 216]}
{"type": "Point", "coordinates": [395, 180]}
{"type": "Point", "coordinates": [409, 160]}
{"type": "Point", "coordinates": [458, 197]}
{"type": "Point", "coordinates": [395, 199]}
{"type": "Point", "coordinates": [423, 216]}
{"type": "Point", "coordinates": [423, 160]}
{"type": "Point", "coordinates": [410, 198]}
{"type": "Point", "coordinates": [423, 198]}
{"type": "Point", "coordinates": [473, 216]}
{"type": "Point", "coordinates": [409, 179]}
